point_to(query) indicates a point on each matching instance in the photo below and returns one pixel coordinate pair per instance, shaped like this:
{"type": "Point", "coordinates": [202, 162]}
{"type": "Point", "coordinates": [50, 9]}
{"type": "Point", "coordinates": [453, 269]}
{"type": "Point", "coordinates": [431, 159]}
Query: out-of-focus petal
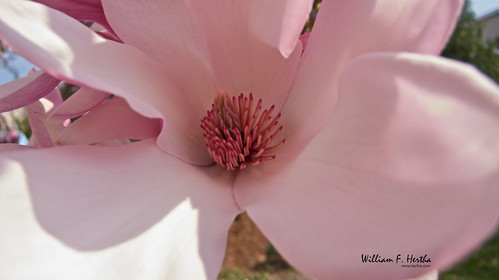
{"type": "Point", "coordinates": [112, 120]}
{"type": "Point", "coordinates": [86, 10]}
{"type": "Point", "coordinates": [241, 62]}
{"type": "Point", "coordinates": [408, 164]}
{"type": "Point", "coordinates": [129, 212]}
{"type": "Point", "coordinates": [279, 22]}
{"type": "Point", "coordinates": [67, 49]}
{"type": "Point", "coordinates": [24, 91]}
{"type": "Point", "coordinates": [347, 29]}
{"type": "Point", "coordinates": [165, 31]}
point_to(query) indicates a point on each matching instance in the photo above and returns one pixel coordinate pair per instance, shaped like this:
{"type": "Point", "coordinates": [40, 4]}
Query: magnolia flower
{"type": "Point", "coordinates": [384, 149]}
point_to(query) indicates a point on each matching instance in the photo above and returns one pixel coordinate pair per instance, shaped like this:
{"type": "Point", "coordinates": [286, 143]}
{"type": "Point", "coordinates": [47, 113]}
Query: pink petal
{"type": "Point", "coordinates": [43, 132]}
{"type": "Point", "coordinates": [360, 26]}
{"type": "Point", "coordinates": [40, 137]}
{"type": "Point", "coordinates": [67, 49]}
{"type": "Point", "coordinates": [407, 165]}
{"type": "Point", "coordinates": [8, 147]}
{"type": "Point", "coordinates": [304, 40]}
{"type": "Point", "coordinates": [129, 212]}
{"type": "Point", "coordinates": [346, 29]}
{"type": "Point", "coordinates": [82, 101]}
{"type": "Point", "coordinates": [108, 36]}
{"type": "Point", "coordinates": [24, 91]}
{"type": "Point", "coordinates": [279, 23]}
{"type": "Point", "coordinates": [165, 31]}
{"type": "Point", "coordinates": [112, 120]}
{"type": "Point", "coordinates": [241, 62]}
{"type": "Point", "coordinates": [85, 10]}
{"type": "Point", "coordinates": [55, 97]}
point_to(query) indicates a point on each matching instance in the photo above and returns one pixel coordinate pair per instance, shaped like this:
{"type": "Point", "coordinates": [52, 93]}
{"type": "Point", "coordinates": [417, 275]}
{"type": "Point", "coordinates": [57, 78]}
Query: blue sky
{"type": "Point", "coordinates": [481, 7]}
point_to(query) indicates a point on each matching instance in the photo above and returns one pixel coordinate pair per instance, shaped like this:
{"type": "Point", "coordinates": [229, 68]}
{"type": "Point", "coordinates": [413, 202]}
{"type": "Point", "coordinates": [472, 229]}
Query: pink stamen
{"type": "Point", "coordinates": [237, 135]}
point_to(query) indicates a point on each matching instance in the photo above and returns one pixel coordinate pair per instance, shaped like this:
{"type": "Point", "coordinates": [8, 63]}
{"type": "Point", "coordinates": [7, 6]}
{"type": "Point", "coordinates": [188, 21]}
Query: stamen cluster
{"type": "Point", "coordinates": [237, 134]}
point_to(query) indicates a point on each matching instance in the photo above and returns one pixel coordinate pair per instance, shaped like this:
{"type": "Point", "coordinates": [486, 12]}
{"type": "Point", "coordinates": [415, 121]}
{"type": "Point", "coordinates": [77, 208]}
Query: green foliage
{"type": "Point", "coordinates": [467, 45]}
{"type": "Point", "coordinates": [238, 274]}
{"type": "Point", "coordinates": [271, 252]}
{"type": "Point", "coordinates": [482, 264]}
{"type": "Point", "coordinates": [313, 16]}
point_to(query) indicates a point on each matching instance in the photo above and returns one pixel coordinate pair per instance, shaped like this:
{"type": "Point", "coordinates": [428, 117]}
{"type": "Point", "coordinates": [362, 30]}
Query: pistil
{"type": "Point", "coordinates": [237, 134]}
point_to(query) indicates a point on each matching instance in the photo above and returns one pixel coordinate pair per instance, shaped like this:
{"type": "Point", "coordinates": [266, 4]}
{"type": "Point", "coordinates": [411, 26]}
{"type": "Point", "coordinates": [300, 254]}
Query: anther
{"type": "Point", "coordinates": [237, 135]}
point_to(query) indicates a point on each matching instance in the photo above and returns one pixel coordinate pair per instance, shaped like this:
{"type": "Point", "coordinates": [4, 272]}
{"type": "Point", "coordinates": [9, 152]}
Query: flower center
{"type": "Point", "coordinates": [237, 133]}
